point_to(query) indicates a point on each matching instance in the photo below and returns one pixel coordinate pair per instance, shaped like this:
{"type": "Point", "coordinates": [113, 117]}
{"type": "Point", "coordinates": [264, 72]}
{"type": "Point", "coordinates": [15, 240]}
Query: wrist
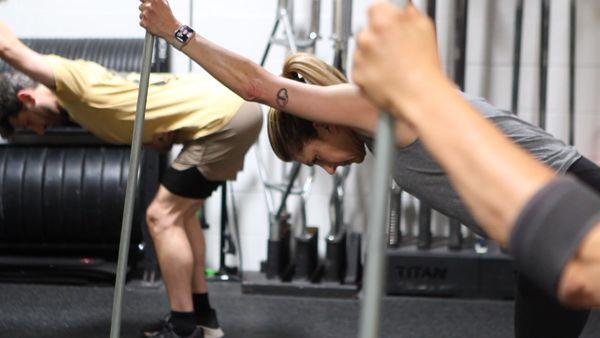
{"type": "Point", "coordinates": [168, 30]}
{"type": "Point", "coordinates": [181, 36]}
{"type": "Point", "coordinates": [425, 94]}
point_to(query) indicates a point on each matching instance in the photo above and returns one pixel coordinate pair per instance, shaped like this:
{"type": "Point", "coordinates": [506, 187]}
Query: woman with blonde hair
{"type": "Point", "coordinates": [317, 118]}
{"type": "Point", "coordinates": [293, 137]}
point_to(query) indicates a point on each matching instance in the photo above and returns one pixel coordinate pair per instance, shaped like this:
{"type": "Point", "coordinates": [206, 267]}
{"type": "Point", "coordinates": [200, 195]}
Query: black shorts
{"type": "Point", "coordinates": [189, 183]}
{"type": "Point", "coordinates": [587, 172]}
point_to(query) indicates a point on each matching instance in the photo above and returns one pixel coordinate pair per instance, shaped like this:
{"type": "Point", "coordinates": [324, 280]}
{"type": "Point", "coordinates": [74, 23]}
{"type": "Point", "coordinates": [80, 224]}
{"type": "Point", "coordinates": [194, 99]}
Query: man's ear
{"type": "Point", "coordinates": [26, 98]}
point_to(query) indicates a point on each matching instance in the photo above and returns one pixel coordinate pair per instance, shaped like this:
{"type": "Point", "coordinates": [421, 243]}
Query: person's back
{"type": "Point", "coordinates": [419, 174]}
{"type": "Point", "coordinates": [104, 102]}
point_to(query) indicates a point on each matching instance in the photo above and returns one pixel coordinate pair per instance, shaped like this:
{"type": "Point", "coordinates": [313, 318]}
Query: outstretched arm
{"type": "Point", "coordinates": [23, 59]}
{"type": "Point", "coordinates": [339, 104]}
{"type": "Point", "coordinates": [397, 66]}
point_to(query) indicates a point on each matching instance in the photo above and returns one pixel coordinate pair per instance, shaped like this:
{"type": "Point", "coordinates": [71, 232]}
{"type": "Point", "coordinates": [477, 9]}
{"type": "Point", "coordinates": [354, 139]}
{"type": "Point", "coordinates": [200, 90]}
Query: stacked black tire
{"type": "Point", "coordinates": [63, 193]}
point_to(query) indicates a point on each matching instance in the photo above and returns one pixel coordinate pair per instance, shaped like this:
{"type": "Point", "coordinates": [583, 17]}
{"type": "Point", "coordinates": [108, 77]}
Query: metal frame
{"type": "Point", "coordinates": [285, 15]}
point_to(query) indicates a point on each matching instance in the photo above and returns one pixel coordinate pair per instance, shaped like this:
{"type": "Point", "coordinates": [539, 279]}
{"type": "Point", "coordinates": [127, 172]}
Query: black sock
{"type": "Point", "coordinates": [201, 304]}
{"type": "Point", "coordinates": [184, 323]}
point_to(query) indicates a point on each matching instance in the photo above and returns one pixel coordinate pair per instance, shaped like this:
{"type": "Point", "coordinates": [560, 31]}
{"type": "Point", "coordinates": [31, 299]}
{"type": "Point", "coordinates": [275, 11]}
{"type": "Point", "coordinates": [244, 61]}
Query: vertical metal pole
{"type": "Point", "coordinates": [341, 32]}
{"type": "Point", "coordinates": [424, 235]}
{"type": "Point", "coordinates": [224, 222]}
{"type": "Point", "coordinates": [132, 180]}
{"type": "Point", "coordinates": [460, 60]}
{"type": "Point", "coordinates": [460, 42]}
{"type": "Point", "coordinates": [289, 30]}
{"type": "Point", "coordinates": [315, 19]}
{"type": "Point", "coordinates": [544, 34]}
{"type": "Point", "coordinates": [394, 232]}
{"type": "Point", "coordinates": [268, 48]}
{"type": "Point", "coordinates": [190, 62]}
{"type": "Point", "coordinates": [431, 9]}
{"type": "Point", "coordinates": [517, 56]}
{"type": "Point", "coordinates": [572, 53]}
{"type": "Point", "coordinates": [374, 279]}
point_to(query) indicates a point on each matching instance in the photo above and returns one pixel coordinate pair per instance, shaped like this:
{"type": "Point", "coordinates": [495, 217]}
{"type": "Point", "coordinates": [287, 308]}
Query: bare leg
{"type": "Point", "coordinates": [198, 245]}
{"type": "Point", "coordinates": [166, 222]}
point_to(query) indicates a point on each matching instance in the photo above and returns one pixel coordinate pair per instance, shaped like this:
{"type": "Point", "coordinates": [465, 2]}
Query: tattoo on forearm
{"type": "Point", "coordinates": [282, 97]}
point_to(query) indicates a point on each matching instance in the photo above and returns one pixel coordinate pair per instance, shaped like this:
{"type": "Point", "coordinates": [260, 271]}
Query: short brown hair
{"type": "Point", "coordinates": [10, 85]}
{"type": "Point", "coordinates": [288, 133]}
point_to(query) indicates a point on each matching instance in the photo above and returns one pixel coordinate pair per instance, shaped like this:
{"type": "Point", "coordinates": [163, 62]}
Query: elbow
{"type": "Point", "coordinates": [4, 50]}
{"type": "Point", "coordinates": [253, 87]}
{"type": "Point", "coordinates": [577, 289]}
{"type": "Point", "coordinates": [250, 91]}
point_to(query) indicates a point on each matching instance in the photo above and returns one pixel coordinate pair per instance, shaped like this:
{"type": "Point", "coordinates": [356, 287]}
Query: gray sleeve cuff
{"type": "Point", "coordinates": [550, 228]}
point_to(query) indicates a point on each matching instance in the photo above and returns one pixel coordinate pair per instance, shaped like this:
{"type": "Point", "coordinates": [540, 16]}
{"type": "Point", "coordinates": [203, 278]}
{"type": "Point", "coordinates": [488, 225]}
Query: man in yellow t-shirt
{"type": "Point", "coordinates": [215, 126]}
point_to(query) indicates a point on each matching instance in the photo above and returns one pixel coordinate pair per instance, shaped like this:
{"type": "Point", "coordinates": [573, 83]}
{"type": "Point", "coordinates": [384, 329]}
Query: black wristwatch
{"type": "Point", "coordinates": [182, 35]}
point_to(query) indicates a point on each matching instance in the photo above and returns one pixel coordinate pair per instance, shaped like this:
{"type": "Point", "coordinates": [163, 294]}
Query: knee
{"type": "Point", "coordinates": [160, 217]}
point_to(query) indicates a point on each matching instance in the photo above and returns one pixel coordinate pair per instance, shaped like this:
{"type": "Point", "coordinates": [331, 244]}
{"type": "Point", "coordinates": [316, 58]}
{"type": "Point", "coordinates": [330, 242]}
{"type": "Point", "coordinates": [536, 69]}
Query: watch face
{"type": "Point", "coordinates": [183, 33]}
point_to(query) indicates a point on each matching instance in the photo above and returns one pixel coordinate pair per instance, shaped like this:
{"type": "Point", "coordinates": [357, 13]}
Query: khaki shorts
{"type": "Point", "coordinates": [219, 156]}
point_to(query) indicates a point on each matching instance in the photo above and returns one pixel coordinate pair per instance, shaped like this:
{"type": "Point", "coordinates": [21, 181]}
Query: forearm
{"type": "Point", "coordinates": [340, 104]}
{"type": "Point", "coordinates": [23, 59]}
{"type": "Point", "coordinates": [7, 40]}
{"type": "Point", "coordinates": [494, 178]}
{"type": "Point", "coordinates": [238, 73]}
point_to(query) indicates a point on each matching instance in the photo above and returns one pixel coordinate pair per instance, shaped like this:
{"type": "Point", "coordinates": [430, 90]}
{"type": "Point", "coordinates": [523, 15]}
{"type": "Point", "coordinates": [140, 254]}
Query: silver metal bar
{"type": "Point", "coordinates": [341, 32]}
{"type": "Point", "coordinates": [336, 203]}
{"type": "Point", "coordinates": [376, 259]}
{"type": "Point", "coordinates": [263, 178]}
{"type": "Point", "coordinates": [315, 20]}
{"type": "Point", "coordinates": [289, 31]}
{"type": "Point", "coordinates": [572, 53]}
{"type": "Point", "coordinates": [288, 7]}
{"type": "Point", "coordinates": [374, 272]}
{"type": "Point", "coordinates": [460, 61]}
{"type": "Point", "coordinates": [544, 42]}
{"type": "Point", "coordinates": [342, 20]}
{"type": "Point", "coordinates": [517, 56]}
{"type": "Point", "coordinates": [236, 228]}
{"type": "Point", "coordinates": [191, 23]}
{"type": "Point", "coordinates": [268, 48]}
{"type": "Point", "coordinates": [394, 233]}
{"type": "Point", "coordinates": [132, 181]}
{"type": "Point", "coordinates": [306, 189]}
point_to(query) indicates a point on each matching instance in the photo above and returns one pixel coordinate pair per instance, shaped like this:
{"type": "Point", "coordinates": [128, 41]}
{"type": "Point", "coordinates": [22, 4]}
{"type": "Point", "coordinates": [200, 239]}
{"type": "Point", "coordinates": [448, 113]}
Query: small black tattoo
{"type": "Point", "coordinates": [282, 97]}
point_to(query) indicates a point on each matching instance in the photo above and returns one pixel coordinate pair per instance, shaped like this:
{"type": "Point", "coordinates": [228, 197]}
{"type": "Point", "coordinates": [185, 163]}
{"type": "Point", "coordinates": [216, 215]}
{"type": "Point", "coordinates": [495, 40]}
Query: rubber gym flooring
{"type": "Point", "coordinates": [44, 311]}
